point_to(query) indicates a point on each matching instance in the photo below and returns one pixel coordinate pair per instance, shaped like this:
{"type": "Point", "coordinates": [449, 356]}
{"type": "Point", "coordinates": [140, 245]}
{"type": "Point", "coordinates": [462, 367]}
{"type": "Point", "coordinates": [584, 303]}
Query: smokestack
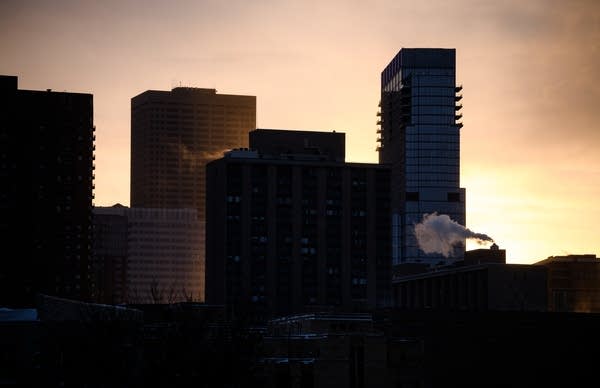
{"type": "Point", "coordinates": [440, 234]}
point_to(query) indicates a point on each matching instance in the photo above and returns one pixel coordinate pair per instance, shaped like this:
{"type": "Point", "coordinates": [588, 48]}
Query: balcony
{"type": "Point", "coordinates": [458, 117]}
{"type": "Point", "coordinates": [458, 107]}
{"type": "Point", "coordinates": [378, 130]}
{"type": "Point", "coordinates": [458, 88]}
{"type": "Point", "coordinates": [378, 113]}
{"type": "Point", "coordinates": [378, 140]}
{"type": "Point", "coordinates": [379, 122]}
{"type": "Point", "coordinates": [458, 97]}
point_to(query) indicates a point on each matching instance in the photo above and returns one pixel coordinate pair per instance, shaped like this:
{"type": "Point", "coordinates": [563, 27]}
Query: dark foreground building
{"type": "Point", "coordinates": [397, 348]}
{"type": "Point", "coordinates": [66, 343]}
{"type": "Point", "coordinates": [323, 350]}
{"type": "Point", "coordinates": [47, 173]}
{"type": "Point", "coordinates": [491, 349]}
{"type": "Point", "coordinates": [291, 227]}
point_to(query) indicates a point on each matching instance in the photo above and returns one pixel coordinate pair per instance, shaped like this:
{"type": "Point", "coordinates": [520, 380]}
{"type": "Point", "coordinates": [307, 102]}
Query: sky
{"type": "Point", "coordinates": [530, 71]}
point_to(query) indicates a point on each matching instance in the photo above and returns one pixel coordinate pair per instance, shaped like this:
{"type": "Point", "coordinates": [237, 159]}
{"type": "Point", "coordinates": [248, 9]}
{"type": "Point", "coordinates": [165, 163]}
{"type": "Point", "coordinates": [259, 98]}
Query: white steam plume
{"type": "Point", "coordinates": [440, 234]}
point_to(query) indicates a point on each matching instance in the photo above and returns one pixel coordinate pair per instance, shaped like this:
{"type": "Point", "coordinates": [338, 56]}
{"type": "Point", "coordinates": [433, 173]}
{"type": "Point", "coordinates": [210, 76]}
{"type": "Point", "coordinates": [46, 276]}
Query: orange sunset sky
{"type": "Point", "coordinates": [530, 70]}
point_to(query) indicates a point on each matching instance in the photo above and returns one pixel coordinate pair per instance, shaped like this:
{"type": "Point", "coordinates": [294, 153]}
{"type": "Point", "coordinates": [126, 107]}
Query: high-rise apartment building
{"type": "Point", "coordinates": [47, 173]}
{"type": "Point", "coordinates": [148, 255]}
{"type": "Point", "coordinates": [291, 227]}
{"type": "Point", "coordinates": [420, 139]}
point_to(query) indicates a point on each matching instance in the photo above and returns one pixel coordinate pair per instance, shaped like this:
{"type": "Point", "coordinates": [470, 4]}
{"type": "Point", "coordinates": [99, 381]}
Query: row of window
{"type": "Point", "coordinates": [418, 119]}
{"type": "Point", "coordinates": [433, 100]}
{"type": "Point", "coordinates": [434, 110]}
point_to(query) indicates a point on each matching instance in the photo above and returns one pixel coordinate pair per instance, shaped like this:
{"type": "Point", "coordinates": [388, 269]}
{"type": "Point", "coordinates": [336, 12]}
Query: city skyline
{"type": "Point", "coordinates": [530, 141]}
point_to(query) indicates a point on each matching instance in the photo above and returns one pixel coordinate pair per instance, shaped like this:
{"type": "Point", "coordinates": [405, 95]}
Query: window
{"type": "Point", "coordinates": [453, 197]}
{"type": "Point", "coordinates": [412, 196]}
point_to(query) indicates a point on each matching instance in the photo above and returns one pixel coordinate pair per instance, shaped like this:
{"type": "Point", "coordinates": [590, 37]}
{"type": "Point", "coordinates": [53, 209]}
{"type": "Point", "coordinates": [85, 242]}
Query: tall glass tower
{"type": "Point", "coordinates": [420, 138]}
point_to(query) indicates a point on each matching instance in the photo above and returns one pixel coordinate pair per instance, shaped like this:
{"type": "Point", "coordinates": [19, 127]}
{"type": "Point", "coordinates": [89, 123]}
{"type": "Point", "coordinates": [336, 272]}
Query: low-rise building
{"type": "Point", "coordinates": [148, 255]}
{"type": "Point", "coordinates": [481, 282]}
{"type": "Point", "coordinates": [573, 283]}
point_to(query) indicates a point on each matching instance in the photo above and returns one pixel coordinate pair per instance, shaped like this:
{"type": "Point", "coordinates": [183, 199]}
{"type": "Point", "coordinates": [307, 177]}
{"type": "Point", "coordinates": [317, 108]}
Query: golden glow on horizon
{"type": "Point", "coordinates": [530, 144]}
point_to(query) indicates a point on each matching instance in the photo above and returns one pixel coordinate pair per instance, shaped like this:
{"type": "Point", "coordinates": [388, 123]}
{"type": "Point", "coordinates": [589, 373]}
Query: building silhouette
{"type": "Point", "coordinates": [148, 255]}
{"type": "Point", "coordinates": [109, 250]}
{"type": "Point", "coordinates": [174, 134]}
{"type": "Point", "coordinates": [324, 350]}
{"type": "Point", "coordinates": [482, 281]}
{"type": "Point", "coordinates": [420, 138]}
{"type": "Point", "coordinates": [475, 288]}
{"type": "Point", "coordinates": [573, 283]}
{"type": "Point", "coordinates": [47, 173]}
{"type": "Point", "coordinates": [66, 343]}
{"type": "Point", "coordinates": [291, 227]}
{"type": "Point", "coordinates": [482, 256]}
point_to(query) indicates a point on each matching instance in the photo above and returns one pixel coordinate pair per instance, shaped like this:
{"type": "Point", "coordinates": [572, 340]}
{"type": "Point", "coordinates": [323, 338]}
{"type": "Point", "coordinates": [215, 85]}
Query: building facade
{"type": "Point", "coordinates": [291, 227]}
{"type": "Point", "coordinates": [47, 173]}
{"type": "Point", "coordinates": [420, 139]}
{"type": "Point", "coordinates": [573, 283]}
{"type": "Point", "coordinates": [174, 134]}
{"type": "Point", "coordinates": [109, 250]}
{"type": "Point", "coordinates": [324, 350]}
{"type": "Point", "coordinates": [474, 288]}
{"type": "Point", "coordinates": [162, 256]}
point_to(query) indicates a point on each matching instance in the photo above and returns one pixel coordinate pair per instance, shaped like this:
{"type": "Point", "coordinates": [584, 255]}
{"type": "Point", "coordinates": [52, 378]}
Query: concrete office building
{"type": "Point", "coordinates": [47, 174]}
{"type": "Point", "coordinates": [291, 227]}
{"type": "Point", "coordinates": [163, 254]}
{"type": "Point", "coordinates": [174, 134]}
{"type": "Point", "coordinates": [420, 140]}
